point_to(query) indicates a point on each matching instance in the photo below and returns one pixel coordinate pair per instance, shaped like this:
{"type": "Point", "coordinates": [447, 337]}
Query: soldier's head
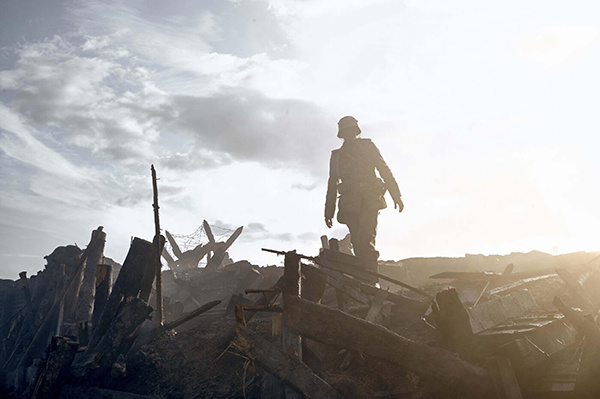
{"type": "Point", "coordinates": [348, 127]}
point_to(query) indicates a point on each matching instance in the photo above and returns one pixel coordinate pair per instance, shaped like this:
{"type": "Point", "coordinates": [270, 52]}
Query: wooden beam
{"type": "Point", "coordinates": [55, 371]}
{"type": "Point", "coordinates": [286, 367]}
{"type": "Point", "coordinates": [332, 327]}
{"type": "Point", "coordinates": [85, 300]}
{"type": "Point", "coordinates": [103, 285]}
{"type": "Point", "coordinates": [219, 252]}
{"type": "Point", "coordinates": [356, 271]}
{"type": "Point", "coordinates": [503, 375]}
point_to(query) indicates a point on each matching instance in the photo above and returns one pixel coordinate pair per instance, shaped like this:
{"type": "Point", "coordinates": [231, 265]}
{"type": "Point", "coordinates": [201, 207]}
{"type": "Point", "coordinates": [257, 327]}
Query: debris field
{"type": "Point", "coordinates": [322, 326]}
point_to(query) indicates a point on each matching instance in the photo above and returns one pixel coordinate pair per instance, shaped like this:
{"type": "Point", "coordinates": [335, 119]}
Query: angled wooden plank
{"type": "Point", "coordinates": [287, 368]}
{"type": "Point", "coordinates": [220, 251]}
{"type": "Point", "coordinates": [168, 257]}
{"type": "Point", "coordinates": [578, 290]}
{"type": "Point", "coordinates": [338, 329]}
{"type": "Point", "coordinates": [174, 244]}
{"type": "Point", "coordinates": [489, 314]}
{"type": "Point", "coordinates": [503, 375]}
{"type": "Point", "coordinates": [376, 306]}
{"type": "Point", "coordinates": [359, 272]}
{"type": "Point", "coordinates": [529, 350]}
{"type": "Point", "coordinates": [208, 231]}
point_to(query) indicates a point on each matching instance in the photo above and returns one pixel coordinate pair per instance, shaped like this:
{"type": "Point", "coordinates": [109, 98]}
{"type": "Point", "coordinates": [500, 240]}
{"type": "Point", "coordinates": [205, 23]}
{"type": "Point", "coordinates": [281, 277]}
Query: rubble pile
{"type": "Point", "coordinates": [324, 326]}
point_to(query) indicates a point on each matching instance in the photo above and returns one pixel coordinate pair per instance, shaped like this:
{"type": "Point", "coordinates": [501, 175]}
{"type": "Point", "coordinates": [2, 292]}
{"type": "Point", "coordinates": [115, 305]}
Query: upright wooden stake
{"type": "Point", "coordinates": [290, 341]}
{"type": "Point", "coordinates": [157, 251]}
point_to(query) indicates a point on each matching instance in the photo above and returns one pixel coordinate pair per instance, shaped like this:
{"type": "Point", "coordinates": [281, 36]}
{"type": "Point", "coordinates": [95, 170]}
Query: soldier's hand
{"type": "Point", "coordinates": [399, 205]}
{"type": "Point", "coordinates": [329, 222]}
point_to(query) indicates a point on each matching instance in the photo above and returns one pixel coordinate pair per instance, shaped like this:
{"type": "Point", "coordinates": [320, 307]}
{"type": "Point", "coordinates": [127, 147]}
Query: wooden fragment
{"type": "Point", "coordinates": [208, 231]}
{"type": "Point", "coordinates": [519, 284]}
{"type": "Point", "coordinates": [157, 247]}
{"type": "Point", "coordinates": [219, 253]}
{"type": "Point", "coordinates": [193, 314]}
{"type": "Point", "coordinates": [97, 363]}
{"type": "Point", "coordinates": [313, 286]}
{"type": "Point", "coordinates": [489, 314]}
{"type": "Point", "coordinates": [286, 367]}
{"type": "Point", "coordinates": [127, 285]}
{"type": "Point", "coordinates": [453, 322]}
{"type": "Point", "coordinates": [85, 299]}
{"type": "Point", "coordinates": [503, 375]}
{"type": "Point", "coordinates": [324, 242]}
{"type": "Point", "coordinates": [529, 351]}
{"type": "Point", "coordinates": [265, 299]}
{"type": "Point", "coordinates": [78, 392]}
{"type": "Point", "coordinates": [331, 327]}
{"type": "Point", "coordinates": [472, 294]}
{"type": "Point", "coordinates": [103, 285]}
{"type": "Point", "coordinates": [334, 244]}
{"type": "Point", "coordinates": [376, 306]}
{"type": "Point", "coordinates": [174, 245]}
{"type": "Point", "coordinates": [41, 338]}
{"type": "Point", "coordinates": [336, 261]}
{"type": "Point", "coordinates": [578, 290]}
{"type": "Point", "coordinates": [150, 274]}
{"type": "Point", "coordinates": [55, 372]}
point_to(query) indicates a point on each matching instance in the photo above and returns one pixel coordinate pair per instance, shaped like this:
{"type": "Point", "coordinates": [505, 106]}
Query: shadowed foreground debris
{"type": "Point", "coordinates": [518, 326]}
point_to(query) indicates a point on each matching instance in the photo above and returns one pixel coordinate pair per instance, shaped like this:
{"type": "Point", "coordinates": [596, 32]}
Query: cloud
{"type": "Point", "coordinates": [249, 126]}
{"type": "Point", "coordinates": [96, 102]}
{"type": "Point", "coordinates": [555, 47]}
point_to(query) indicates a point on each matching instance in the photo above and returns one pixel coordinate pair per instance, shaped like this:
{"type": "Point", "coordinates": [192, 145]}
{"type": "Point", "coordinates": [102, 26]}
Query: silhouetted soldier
{"type": "Point", "coordinates": [361, 191]}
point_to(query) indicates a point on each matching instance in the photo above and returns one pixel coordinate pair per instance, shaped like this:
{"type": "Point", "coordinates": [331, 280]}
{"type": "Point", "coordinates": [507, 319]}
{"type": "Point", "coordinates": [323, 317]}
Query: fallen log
{"type": "Point", "coordinates": [332, 327]}
{"type": "Point", "coordinates": [287, 368]}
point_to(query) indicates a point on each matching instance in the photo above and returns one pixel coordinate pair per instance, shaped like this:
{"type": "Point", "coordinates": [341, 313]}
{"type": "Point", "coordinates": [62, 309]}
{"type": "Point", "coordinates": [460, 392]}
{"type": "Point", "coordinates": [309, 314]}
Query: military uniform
{"type": "Point", "coordinates": [361, 193]}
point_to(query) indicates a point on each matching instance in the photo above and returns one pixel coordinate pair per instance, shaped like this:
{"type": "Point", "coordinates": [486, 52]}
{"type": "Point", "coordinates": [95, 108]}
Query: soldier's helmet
{"type": "Point", "coordinates": [348, 127]}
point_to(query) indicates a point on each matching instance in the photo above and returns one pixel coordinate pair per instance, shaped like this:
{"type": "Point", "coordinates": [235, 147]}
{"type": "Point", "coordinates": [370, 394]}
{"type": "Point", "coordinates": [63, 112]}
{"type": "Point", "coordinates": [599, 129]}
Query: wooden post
{"type": "Point", "coordinates": [128, 285]}
{"type": "Point", "coordinates": [454, 325]}
{"type": "Point", "coordinates": [103, 284]}
{"type": "Point", "coordinates": [157, 252]}
{"type": "Point", "coordinates": [85, 300]}
{"type": "Point", "coordinates": [291, 342]}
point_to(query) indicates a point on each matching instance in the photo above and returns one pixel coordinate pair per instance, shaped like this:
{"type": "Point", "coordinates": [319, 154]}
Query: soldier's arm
{"type": "Point", "coordinates": [386, 174]}
{"type": "Point", "coordinates": [332, 190]}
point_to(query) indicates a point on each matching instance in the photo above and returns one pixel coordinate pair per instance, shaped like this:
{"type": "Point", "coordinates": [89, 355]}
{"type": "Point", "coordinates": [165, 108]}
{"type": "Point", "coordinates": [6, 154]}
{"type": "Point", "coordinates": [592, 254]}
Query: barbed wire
{"type": "Point", "coordinates": [190, 241]}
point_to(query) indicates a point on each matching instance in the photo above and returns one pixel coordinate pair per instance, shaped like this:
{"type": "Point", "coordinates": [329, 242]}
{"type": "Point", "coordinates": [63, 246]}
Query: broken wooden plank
{"type": "Point", "coordinates": [529, 351]}
{"type": "Point", "coordinates": [127, 285]}
{"type": "Point", "coordinates": [488, 314]}
{"type": "Point", "coordinates": [580, 292]}
{"type": "Point", "coordinates": [150, 273]}
{"type": "Point", "coordinates": [221, 250]}
{"type": "Point", "coordinates": [174, 246]}
{"type": "Point", "coordinates": [191, 315]}
{"type": "Point", "coordinates": [376, 306]}
{"type": "Point", "coordinates": [208, 231]}
{"type": "Point", "coordinates": [454, 324]}
{"type": "Point", "coordinates": [96, 363]}
{"type": "Point", "coordinates": [519, 285]}
{"type": "Point", "coordinates": [286, 367]}
{"type": "Point", "coordinates": [357, 271]}
{"type": "Point", "coordinates": [503, 375]}
{"type": "Point", "coordinates": [85, 299]}
{"type": "Point", "coordinates": [265, 299]}
{"type": "Point", "coordinates": [55, 371]}
{"type": "Point", "coordinates": [332, 327]}
{"type": "Point", "coordinates": [103, 286]}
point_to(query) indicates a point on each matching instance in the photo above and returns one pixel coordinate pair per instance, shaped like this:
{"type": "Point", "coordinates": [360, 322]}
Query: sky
{"type": "Point", "coordinates": [486, 112]}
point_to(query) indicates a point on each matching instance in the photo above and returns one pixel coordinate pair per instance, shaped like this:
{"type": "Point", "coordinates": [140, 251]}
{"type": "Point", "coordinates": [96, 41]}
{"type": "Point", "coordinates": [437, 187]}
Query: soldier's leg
{"type": "Point", "coordinates": [365, 239]}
